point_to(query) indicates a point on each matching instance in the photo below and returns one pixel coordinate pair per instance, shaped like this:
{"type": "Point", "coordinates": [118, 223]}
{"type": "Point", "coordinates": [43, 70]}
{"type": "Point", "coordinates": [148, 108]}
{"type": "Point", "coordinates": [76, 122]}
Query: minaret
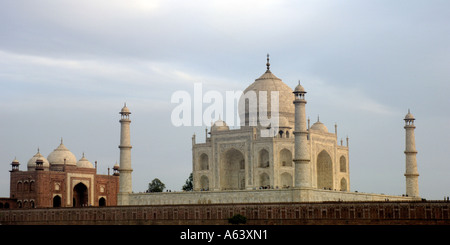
{"type": "Point", "coordinates": [125, 157]}
{"type": "Point", "coordinates": [411, 173]}
{"type": "Point", "coordinates": [301, 158]}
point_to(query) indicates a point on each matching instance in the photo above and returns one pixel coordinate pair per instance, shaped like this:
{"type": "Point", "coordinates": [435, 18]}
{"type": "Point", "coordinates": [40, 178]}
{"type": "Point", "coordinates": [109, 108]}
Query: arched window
{"type": "Point", "coordinates": [102, 202]}
{"type": "Point", "coordinates": [286, 158]}
{"type": "Point", "coordinates": [263, 160]}
{"type": "Point", "coordinates": [264, 180]}
{"type": "Point", "coordinates": [19, 186]}
{"type": "Point", "coordinates": [343, 184]}
{"type": "Point", "coordinates": [286, 180]}
{"type": "Point", "coordinates": [204, 183]}
{"type": "Point", "coordinates": [204, 162]}
{"type": "Point", "coordinates": [31, 186]}
{"type": "Point", "coordinates": [342, 164]}
{"type": "Point", "coordinates": [56, 201]}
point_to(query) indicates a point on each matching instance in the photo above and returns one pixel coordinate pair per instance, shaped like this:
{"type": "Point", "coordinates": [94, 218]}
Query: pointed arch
{"type": "Point", "coordinates": [286, 180]}
{"type": "Point", "coordinates": [324, 171]}
{"type": "Point", "coordinates": [204, 162]}
{"type": "Point", "coordinates": [204, 183]}
{"type": "Point", "coordinates": [57, 201]}
{"type": "Point", "coordinates": [264, 180]}
{"type": "Point", "coordinates": [344, 184]}
{"type": "Point", "coordinates": [263, 159]}
{"type": "Point", "coordinates": [80, 195]}
{"type": "Point", "coordinates": [285, 158]}
{"type": "Point", "coordinates": [232, 170]}
{"type": "Point", "coordinates": [102, 202]}
{"type": "Point", "coordinates": [342, 164]}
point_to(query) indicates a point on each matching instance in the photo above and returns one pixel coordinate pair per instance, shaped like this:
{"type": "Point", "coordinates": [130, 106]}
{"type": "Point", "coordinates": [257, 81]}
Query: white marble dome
{"type": "Point", "coordinates": [268, 83]}
{"type": "Point", "coordinates": [59, 154]}
{"type": "Point", "coordinates": [319, 126]}
{"type": "Point", "coordinates": [84, 163]}
{"type": "Point", "coordinates": [219, 125]}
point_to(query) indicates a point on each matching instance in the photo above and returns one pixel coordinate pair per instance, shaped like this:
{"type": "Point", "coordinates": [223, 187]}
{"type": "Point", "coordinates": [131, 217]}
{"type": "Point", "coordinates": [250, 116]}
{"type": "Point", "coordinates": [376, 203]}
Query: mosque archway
{"type": "Point", "coordinates": [324, 171]}
{"type": "Point", "coordinates": [102, 202]}
{"type": "Point", "coordinates": [56, 201]}
{"type": "Point", "coordinates": [232, 170]}
{"type": "Point", "coordinates": [80, 195]}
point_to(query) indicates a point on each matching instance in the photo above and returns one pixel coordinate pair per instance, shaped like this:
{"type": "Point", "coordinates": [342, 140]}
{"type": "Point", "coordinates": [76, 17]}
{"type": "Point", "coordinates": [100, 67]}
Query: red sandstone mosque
{"type": "Point", "coordinates": [60, 181]}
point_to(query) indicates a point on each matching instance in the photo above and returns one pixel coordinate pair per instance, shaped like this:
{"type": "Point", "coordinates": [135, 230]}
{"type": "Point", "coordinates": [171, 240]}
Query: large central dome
{"type": "Point", "coordinates": [61, 156]}
{"type": "Point", "coordinates": [268, 83]}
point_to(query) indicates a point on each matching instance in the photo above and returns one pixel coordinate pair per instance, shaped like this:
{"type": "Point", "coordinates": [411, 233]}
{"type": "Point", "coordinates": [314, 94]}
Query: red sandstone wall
{"type": "Point", "coordinates": [257, 214]}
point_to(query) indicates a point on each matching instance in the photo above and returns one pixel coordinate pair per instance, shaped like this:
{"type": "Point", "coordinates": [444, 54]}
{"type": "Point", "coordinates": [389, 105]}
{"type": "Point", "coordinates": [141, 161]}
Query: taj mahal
{"type": "Point", "coordinates": [299, 162]}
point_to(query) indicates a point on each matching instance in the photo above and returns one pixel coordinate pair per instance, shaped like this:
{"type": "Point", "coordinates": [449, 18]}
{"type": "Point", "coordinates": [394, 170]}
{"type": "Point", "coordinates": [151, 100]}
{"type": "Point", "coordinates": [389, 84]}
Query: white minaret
{"type": "Point", "coordinates": [411, 173]}
{"type": "Point", "coordinates": [125, 157]}
{"type": "Point", "coordinates": [301, 158]}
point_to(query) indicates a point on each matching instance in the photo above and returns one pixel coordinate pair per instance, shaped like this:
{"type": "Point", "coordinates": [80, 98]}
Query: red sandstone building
{"type": "Point", "coordinates": [60, 181]}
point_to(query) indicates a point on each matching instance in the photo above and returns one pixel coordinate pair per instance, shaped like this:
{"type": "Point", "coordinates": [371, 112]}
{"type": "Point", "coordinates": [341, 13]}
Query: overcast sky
{"type": "Point", "coordinates": [67, 67]}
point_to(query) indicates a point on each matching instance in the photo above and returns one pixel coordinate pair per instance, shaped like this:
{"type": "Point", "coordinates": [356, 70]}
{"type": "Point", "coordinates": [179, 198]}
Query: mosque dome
{"type": "Point", "coordinates": [267, 83]}
{"type": "Point", "coordinates": [299, 88]}
{"type": "Point", "coordinates": [84, 163]}
{"type": "Point", "coordinates": [219, 125]}
{"type": "Point", "coordinates": [59, 154]}
{"type": "Point", "coordinates": [31, 165]}
{"type": "Point", "coordinates": [319, 126]}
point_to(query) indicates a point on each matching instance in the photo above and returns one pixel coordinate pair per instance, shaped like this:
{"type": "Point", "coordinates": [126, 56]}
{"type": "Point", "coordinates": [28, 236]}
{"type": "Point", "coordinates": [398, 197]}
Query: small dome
{"type": "Point", "coordinates": [219, 125]}
{"type": "Point", "coordinates": [116, 166]}
{"type": "Point", "coordinates": [318, 126]}
{"type": "Point", "coordinates": [59, 154]}
{"type": "Point", "coordinates": [84, 163]}
{"type": "Point", "coordinates": [15, 162]}
{"type": "Point", "coordinates": [409, 116]}
{"type": "Point", "coordinates": [31, 165]}
{"type": "Point", "coordinates": [125, 110]}
{"type": "Point", "coordinates": [299, 88]}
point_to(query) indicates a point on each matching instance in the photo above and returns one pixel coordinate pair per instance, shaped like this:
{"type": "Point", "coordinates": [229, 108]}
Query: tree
{"type": "Point", "coordinates": [156, 186]}
{"type": "Point", "coordinates": [237, 219]}
{"type": "Point", "coordinates": [188, 186]}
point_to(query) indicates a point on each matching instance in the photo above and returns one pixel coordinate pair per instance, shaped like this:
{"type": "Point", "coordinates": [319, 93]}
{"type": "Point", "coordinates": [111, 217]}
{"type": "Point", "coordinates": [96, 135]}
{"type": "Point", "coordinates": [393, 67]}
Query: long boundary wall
{"type": "Point", "coordinates": [324, 213]}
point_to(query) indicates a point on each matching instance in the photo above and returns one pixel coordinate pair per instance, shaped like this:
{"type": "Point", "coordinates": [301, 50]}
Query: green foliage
{"type": "Point", "coordinates": [188, 186]}
{"type": "Point", "coordinates": [156, 186]}
{"type": "Point", "coordinates": [237, 219]}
